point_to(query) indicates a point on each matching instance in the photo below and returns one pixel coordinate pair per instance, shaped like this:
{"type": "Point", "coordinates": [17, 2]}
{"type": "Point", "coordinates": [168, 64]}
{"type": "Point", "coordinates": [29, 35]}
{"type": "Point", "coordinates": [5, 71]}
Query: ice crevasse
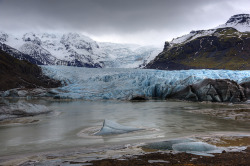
{"type": "Point", "coordinates": [123, 84]}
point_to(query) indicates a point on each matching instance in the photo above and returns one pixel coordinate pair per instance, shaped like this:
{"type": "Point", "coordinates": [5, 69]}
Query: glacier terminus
{"type": "Point", "coordinates": [124, 84]}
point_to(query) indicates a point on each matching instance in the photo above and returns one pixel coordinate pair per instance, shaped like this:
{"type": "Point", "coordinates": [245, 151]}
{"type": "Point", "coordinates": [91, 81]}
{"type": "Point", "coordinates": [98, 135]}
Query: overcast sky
{"type": "Point", "coordinates": [143, 22]}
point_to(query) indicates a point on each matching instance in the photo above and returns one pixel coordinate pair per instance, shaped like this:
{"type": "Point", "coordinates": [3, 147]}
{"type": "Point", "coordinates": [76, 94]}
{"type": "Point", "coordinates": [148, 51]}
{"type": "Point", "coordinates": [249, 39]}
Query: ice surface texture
{"type": "Point", "coordinates": [194, 147]}
{"type": "Point", "coordinates": [109, 127]}
{"type": "Point", "coordinates": [166, 145]}
{"type": "Point", "coordinates": [123, 84]}
{"type": "Point", "coordinates": [185, 145]}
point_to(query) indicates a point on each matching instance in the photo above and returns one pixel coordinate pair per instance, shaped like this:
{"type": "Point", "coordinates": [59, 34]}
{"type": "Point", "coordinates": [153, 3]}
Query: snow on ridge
{"type": "Point", "coordinates": [240, 22]}
{"type": "Point", "coordinates": [238, 27]}
{"type": "Point", "coordinates": [192, 35]}
{"type": "Point", "coordinates": [94, 84]}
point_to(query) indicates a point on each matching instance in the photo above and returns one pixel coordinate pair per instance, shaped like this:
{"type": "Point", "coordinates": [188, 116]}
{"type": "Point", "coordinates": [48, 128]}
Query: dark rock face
{"type": "Point", "coordinates": [166, 46]}
{"type": "Point", "coordinates": [22, 74]}
{"type": "Point", "coordinates": [139, 98]}
{"type": "Point", "coordinates": [219, 90]}
{"type": "Point", "coordinates": [239, 18]}
{"type": "Point", "coordinates": [246, 86]}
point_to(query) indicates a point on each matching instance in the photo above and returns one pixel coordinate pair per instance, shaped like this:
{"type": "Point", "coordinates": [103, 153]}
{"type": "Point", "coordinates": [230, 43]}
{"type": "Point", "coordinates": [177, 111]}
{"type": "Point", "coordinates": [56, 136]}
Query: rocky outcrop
{"type": "Point", "coordinates": [139, 98]}
{"type": "Point", "coordinates": [219, 90]}
{"type": "Point", "coordinates": [246, 86]}
{"type": "Point", "coordinates": [15, 73]}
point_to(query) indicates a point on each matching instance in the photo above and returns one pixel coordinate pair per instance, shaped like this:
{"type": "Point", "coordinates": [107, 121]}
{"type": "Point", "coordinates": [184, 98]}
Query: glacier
{"type": "Point", "coordinates": [124, 84]}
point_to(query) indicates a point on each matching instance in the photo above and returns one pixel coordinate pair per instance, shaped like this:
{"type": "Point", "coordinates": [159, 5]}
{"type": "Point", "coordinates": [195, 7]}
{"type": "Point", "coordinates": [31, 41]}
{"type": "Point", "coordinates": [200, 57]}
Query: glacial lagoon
{"type": "Point", "coordinates": [70, 122]}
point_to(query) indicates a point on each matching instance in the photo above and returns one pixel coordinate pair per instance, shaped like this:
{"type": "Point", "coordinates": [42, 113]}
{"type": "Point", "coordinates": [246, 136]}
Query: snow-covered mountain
{"type": "Point", "coordinates": [73, 49]}
{"type": "Point", "coordinates": [224, 47]}
{"type": "Point", "coordinates": [241, 22]}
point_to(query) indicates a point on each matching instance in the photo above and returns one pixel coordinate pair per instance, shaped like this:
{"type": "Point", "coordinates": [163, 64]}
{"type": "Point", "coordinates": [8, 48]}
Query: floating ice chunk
{"type": "Point", "coordinates": [166, 145]}
{"type": "Point", "coordinates": [196, 147]}
{"type": "Point", "coordinates": [202, 154]}
{"type": "Point", "coordinates": [110, 127]}
{"type": "Point", "coordinates": [158, 161]}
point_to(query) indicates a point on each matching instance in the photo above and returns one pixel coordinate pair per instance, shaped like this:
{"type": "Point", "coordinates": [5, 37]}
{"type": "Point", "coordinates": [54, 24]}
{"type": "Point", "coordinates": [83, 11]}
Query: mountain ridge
{"type": "Point", "coordinates": [224, 47]}
{"type": "Point", "coordinates": [73, 49]}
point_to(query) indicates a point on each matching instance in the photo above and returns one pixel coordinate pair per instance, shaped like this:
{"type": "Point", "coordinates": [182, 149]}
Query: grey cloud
{"type": "Point", "coordinates": [113, 16]}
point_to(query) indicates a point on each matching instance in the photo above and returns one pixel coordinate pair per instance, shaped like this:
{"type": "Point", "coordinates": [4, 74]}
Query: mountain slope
{"type": "Point", "coordinates": [225, 47]}
{"type": "Point", "coordinates": [18, 55]}
{"type": "Point", "coordinates": [15, 73]}
{"type": "Point", "coordinates": [73, 49]}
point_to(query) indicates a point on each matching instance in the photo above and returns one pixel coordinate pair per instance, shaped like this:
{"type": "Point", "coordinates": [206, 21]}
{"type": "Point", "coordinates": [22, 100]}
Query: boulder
{"type": "Point", "coordinates": [218, 90]}
{"type": "Point", "coordinates": [246, 86]}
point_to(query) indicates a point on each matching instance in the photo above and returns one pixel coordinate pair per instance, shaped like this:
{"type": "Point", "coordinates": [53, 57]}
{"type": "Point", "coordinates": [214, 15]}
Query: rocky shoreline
{"type": "Point", "coordinates": [159, 159]}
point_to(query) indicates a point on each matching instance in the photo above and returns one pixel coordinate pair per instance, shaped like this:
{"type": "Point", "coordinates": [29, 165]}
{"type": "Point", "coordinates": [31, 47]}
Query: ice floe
{"type": "Point", "coordinates": [195, 147]}
{"type": "Point", "coordinates": [110, 127]}
{"type": "Point", "coordinates": [166, 145]}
